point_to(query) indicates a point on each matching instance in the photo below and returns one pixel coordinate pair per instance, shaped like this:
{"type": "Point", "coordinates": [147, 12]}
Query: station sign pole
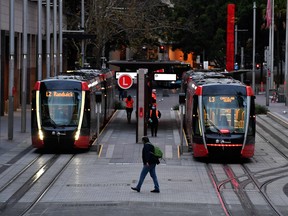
{"type": "Point", "coordinates": [141, 104]}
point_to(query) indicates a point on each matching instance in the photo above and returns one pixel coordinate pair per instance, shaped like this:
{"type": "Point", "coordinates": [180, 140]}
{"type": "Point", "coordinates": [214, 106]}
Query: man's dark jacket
{"type": "Point", "coordinates": [147, 154]}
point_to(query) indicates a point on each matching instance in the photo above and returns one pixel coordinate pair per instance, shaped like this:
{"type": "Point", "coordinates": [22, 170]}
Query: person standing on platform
{"type": "Point", "coordinates": [154, 115]}
{"type": "Point", "coordinates": [121, 93]}
{"type": "Point", "coordinates": [129, 107]}
{"type": "Point", "coordinates": [149, 165]}
{"type": "Point", "coordinates": [153, 97]}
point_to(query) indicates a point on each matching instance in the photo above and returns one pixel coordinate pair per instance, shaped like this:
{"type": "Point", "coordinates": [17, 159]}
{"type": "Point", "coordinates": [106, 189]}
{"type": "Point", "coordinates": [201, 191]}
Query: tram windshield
{"type": "Point", "coordinates": [60, 108]}
{"type": "Point", "coordinates": [225, 113]}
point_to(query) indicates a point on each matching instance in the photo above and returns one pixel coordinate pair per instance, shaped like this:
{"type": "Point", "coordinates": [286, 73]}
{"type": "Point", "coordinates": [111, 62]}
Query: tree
{"type": "Point", "coordinates": [208, 37]}
{"type": "Point", "coordinates": [206, 28]}
{"type": "Point", "coordinates": [197, 26]}
{"type": "Point", "coordinates": [116, 23]}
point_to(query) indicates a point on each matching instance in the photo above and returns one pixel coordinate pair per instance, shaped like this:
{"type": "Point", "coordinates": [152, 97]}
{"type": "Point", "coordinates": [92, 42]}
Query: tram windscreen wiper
{"type": "Point", "coordinates": [214, 126]}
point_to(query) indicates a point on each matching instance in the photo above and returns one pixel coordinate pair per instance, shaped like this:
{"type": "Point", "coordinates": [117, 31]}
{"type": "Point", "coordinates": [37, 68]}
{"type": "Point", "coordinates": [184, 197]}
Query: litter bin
{"type": "Point", "coordinates": [281, 98]}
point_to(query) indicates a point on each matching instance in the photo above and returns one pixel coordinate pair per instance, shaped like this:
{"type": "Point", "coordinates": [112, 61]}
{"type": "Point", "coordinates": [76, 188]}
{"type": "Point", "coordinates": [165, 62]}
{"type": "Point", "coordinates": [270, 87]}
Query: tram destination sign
{"type": "Point", "coordinates": [59, 94]}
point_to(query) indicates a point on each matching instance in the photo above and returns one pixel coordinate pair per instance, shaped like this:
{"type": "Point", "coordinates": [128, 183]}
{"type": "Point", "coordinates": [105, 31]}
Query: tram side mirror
{"type": "Point", "coordinates": [182, 98]}
{"type": "Point", "coordinates": [98, 97]}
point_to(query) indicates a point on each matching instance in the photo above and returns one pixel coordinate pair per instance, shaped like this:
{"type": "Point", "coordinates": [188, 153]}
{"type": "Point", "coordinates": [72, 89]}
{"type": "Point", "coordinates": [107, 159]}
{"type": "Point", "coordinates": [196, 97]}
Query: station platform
{"type": "Point", "coordinates": [99, 182]}
{"type": "Point", "coordinates": [119, 142]}
{"type": "Point", "coordinates": [278, 109]}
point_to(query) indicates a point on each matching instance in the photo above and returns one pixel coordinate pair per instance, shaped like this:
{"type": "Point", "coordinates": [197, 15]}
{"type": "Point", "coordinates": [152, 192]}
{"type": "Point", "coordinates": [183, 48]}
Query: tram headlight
{"type": "Point", "coordinates": [41, 135]}
{"type": "Point", "coordinates": [77, 134]}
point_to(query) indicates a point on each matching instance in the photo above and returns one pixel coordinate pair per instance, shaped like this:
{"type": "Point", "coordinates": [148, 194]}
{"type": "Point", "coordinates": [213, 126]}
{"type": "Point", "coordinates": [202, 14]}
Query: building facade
{"type": "Point", "coordinates": [33, 54]}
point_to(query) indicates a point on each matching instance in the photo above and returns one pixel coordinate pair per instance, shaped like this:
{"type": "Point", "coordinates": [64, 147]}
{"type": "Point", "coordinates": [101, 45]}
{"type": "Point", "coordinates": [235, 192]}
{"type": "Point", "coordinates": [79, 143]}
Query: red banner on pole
{"type": "Point", "coordinates": [268, 14]}
{"type": "Point", "coordinates": [230, 37]}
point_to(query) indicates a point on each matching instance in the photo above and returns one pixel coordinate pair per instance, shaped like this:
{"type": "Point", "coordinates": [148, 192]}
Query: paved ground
{"type": "Point", "coordinates": [100, 184]}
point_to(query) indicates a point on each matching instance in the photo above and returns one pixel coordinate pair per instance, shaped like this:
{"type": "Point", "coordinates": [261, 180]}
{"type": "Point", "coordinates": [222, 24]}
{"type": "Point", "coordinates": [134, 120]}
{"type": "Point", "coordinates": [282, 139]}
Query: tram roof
{"type": "Point", "coordinates": [204, 77]}
{"type": "Point", "coordinates": [79, 74]}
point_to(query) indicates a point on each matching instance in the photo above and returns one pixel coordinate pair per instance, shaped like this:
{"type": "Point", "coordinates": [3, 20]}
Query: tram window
{"type": "Point", "coordinates": [86, 116]}
{"type": "Point", "coordinates": [195, 115]}
{"type": "Point", "coordinates": [60, 108]}
{"type": "Point", "coordinates": [223, 121]}
{"type": "Point", "coordinates": [232, 107]}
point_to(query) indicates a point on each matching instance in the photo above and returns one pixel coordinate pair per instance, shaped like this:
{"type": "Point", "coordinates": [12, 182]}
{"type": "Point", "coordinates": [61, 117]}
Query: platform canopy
{"type": "Point", "coordinates": [150, 65]}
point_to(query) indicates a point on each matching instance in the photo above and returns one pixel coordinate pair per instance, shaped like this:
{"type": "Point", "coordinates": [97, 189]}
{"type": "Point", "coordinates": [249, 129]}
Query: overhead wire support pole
{"type": "Point", "coordinates": [24, 67]}
{"type": "Point", "coordinates": [39, 58]}
{"type": "Point", "coordinates": [269, 74]}
{"type": "Point", "coordinates": [272, 45]}
{"type": "Point", "coordinates": [48, 39]}
{"type": "Point", "coordinates": [82, 28]}
{"type": "Point", "coordinates": [55, 37]}
{"type": "Point", "coordinates": [60, 36]}
{"type": "Point", "coordinates": [11, 69]}
{"type": "Point", "coordinates": [254, 42]}
{"type": "Point", "coordinates": [1, 101]}
{"type": "Point", "coordinates": [286, 58]}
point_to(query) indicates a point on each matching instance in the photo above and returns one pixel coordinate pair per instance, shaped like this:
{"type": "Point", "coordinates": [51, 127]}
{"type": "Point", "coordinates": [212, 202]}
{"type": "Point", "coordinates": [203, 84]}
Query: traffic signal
{"type": "Point", "coordinates": [161, 49]}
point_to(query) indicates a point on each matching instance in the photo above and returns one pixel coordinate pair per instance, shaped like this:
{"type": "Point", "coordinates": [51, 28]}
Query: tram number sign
{"type": "Point", "coordinates": [125, 81]}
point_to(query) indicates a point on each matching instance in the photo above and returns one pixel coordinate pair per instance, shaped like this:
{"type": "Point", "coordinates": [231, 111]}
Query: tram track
{"type": "Point", "coordinates": [250, 187]}
{"type": "Point", "coordinates": [15, 159]}
{"type": "Point", "coordinates": [246, 190]}
{"type": "Point", "coordinates": [31, 183]}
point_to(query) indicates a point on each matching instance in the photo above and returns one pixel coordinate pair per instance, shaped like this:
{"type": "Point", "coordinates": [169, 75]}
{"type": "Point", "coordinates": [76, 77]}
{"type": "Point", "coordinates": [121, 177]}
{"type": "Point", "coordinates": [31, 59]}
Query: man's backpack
{"type": "Point", "coordinates": [158, 152]}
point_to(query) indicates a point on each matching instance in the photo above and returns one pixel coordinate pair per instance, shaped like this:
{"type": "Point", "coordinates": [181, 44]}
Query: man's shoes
{"type": "Point", "coordinates": [136, 189]}
{"type": "Point", "coordinates": [155, 191]}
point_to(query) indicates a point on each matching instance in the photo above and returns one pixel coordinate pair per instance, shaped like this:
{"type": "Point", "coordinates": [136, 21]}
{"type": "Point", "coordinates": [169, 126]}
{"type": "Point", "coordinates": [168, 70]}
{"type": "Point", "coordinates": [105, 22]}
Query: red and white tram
{"type": "Point", "coordinates": [220, 114]}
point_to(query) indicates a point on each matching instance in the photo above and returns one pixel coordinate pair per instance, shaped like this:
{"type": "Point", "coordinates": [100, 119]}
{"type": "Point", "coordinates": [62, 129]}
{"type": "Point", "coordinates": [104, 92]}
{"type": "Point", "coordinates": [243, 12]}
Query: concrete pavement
{"type": "Point", "coordinates": [100, 184]}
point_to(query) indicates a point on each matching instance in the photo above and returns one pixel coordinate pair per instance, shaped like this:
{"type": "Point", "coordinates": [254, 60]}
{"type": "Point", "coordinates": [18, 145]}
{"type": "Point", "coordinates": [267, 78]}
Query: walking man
{"type": "Point", "coordinates": [149, 165]}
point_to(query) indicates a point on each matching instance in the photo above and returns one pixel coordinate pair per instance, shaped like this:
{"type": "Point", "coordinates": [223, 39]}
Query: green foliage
{"type": "Point", "coordinates": [176, 107]}
{"type": "Point", "coordinates": [112, 24]}
{"type": "Point", "coordinates": [207, 37]}
{"type": "Point", "coordinates": [197, 26]}
{"type": "Point", "coordinates": [260, 109]}
{"type": "Point", "coordinates": [118, 105]}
